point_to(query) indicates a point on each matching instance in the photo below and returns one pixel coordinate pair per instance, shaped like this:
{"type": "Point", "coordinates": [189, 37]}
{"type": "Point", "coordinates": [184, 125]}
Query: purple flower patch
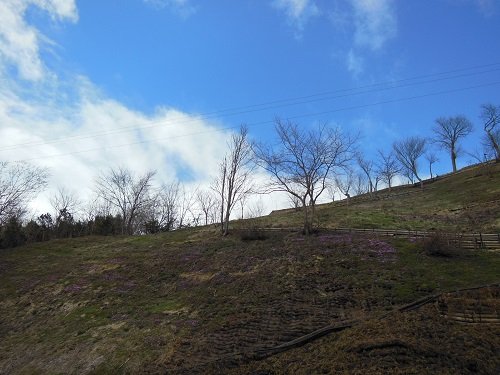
{"type": "Point", "coordinates": [380, 250]}
{"type": "Point", "coordinates": [335, 239]}
{"type": "Point", "coordinates": [73, 288]}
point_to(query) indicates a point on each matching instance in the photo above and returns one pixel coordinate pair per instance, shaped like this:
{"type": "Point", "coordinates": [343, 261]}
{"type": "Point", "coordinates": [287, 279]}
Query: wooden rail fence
{"type": "Point", "coordinates": [472, 241]}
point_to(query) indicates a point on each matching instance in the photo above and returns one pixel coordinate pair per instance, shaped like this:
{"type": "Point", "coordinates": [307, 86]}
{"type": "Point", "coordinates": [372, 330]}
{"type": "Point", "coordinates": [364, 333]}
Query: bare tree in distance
{"type": "Point", "coordinates": [243, 202]}
{"type": "Point", "coordinates": [234, 182]}
{"type": "Point", "coordinates": [331, 189]}
{"type": "Point", "coordinates": [387, 167]}
{"type": "Point", "coordinates": [185, 205]}
{"type": "Point", "coordinates": [65, 200]}
{"type": "Point", "coordinates": [478, 156]}
{"type": "Point", "coordinates": [256, 209]}
{"type": "Point", "coordinates": [448, 133]}
{"type": "Point", "coordinates": [431, 158]}
{"type": "Point", "coordinates": [208, 205]}
{"type": "Point", "coordinates": [96, 207]}
{"type": "Point", "coordinates": [127, 193]}
{"type": "Point", "coordinates": [294, 202]}
{"type": "Point", "coordinates": [344, 183]}
{"type": "Point", "coordinates": [165, 207]}
{"type": "Point", "coordinates": [408, 151]}
{"type": "Point", "coordinates": [360, 184]}
{"type": "Point", "coordinates": [303, 161]}
{"type": "Point", "coordinates": [19, 183]}
{"type": "Point", "coordinates": [490, 115]}
{"type": "Point", "coordinates": [368, 168]}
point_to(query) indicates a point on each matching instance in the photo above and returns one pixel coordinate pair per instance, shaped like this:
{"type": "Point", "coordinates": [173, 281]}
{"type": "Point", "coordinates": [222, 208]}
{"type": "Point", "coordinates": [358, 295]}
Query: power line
{"type": "Point", "coordinates": [436, 93]}
{"type": "Point", "coordinates": [377, 87]}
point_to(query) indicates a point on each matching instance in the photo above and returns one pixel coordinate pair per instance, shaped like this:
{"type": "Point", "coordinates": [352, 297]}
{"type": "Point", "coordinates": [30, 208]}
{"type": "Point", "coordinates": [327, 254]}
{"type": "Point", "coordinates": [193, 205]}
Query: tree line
{"type": "Point", "coordinates": [303, 163]}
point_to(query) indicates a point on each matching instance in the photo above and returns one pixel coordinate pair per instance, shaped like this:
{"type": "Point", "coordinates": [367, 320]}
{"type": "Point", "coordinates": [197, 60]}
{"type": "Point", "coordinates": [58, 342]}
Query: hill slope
{"type": "Point", "coordinates": [468, 200]}
{"type": "Point", "coordinates": [192, 302]}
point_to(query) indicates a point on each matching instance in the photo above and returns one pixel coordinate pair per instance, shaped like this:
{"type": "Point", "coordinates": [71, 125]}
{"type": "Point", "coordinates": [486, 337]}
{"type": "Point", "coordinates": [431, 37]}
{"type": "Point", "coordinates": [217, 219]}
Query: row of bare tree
{"type": "Point", "coordinates": [404, 157]}
{"type": "Point", "coordinates": [303, 163]}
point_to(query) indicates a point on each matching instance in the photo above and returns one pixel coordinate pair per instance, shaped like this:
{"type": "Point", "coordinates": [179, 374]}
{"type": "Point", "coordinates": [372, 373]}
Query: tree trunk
{"type": "Point", "coordinates": [454, 160]}
{"type": "Point", "coordinates": [307, 225]}
{"type": "Point", "coordinates": [225, 226]}
{"type": "Point", "coordinates": [495, 145]}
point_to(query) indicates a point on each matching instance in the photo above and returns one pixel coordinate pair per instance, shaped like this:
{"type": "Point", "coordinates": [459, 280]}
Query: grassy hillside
{"type": "Point", "coordinates": [183, 300]}
{"type": "Point", "coordinates": [192, 302]}
{"type": "Point", "coordinates": [466, 201]}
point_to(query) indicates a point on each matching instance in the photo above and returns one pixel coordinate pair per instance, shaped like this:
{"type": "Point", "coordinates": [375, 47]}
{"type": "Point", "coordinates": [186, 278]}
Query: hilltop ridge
{"type": "Point", "coordinates": [467, 200]}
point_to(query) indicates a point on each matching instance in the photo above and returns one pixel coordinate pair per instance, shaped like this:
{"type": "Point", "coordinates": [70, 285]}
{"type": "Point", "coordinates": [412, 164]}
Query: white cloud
{"type": "Point", "coordinates": [375, 23]}
{"type": "Point", "coordinates": [76, 131]}
{"type": "Point", "coordinates": [354, 63]}
{"type": "Point", "coordinates": [370, 24]}
{"type": "Point", "coordinates": [20, 43]}
{"type": "Point", "coordinates": [169, 140]}
{"type": "Point", "coordinates": [486, 7]}
{"type": "Point", "coordinates": [298, 12]}
{"type": "Point", "coordinates": [183, 8]}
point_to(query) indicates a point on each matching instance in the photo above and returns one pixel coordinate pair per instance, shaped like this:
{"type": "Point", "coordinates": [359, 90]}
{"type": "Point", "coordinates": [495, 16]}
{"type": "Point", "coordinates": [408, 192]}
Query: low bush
{"type": "Point", "coordinates": [253, 234]}
{"type": "Point", "coordinates": [441, 245]}
{"type": "Point", "coordinates": [11, 234]}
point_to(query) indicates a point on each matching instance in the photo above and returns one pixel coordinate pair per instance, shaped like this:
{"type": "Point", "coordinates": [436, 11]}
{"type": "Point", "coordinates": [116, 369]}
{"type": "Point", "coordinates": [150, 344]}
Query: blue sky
{"type": "Point", "coordinates": [70, 70]}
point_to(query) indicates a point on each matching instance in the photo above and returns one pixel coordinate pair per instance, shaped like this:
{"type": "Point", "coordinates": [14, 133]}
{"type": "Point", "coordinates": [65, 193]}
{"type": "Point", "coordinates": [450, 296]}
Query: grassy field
{"type": "Point", "coordinates": [192, 302]}
{"type": "Point", "coordinates": [466, 201]}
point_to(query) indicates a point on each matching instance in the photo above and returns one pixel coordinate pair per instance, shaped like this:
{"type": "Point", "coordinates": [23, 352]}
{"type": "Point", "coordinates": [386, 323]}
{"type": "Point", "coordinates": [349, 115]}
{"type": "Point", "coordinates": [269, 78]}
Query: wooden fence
{"type": "Point", "coordinates": [486, 241]}
{"type": "Point", "coordinates": [472, 241]}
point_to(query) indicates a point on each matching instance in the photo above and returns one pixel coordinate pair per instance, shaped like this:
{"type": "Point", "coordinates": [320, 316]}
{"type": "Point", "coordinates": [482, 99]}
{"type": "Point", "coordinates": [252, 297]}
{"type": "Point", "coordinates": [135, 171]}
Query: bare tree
{"type": "Point", "coordinates": [448, 132]}
{"type": "Point", "coordinates": [331, 189]}
{"type": "Point", "coordinates": [126, 193]}
{"type": "Point", "coordinates": [65, 201]}
{"type": "Point", "coordinates": [360, 185]}
{"type": "Point", "coordinates": [490, 115]}
{"type": "Point", "coordinates": [294, 202]}
{"type": "Point", "coordinates": [408, 151]}
{"type": "Point", "coordinates": [303, 161]}
{"type": "Point", "coordinates": [96, 207]}
{"type": "Point", "coordinates": [243, 203]}
{"type": "Point", "coordinates": [344, 183]}
{"type": "Point", "coordinates": [208, 205]}
{"type": "Point", "coordinates": [19, 183]}
{"type": "Point", "coordinates": [387, 167]}
{"type": "Point", "coordinates": [368, 168]}
{"type": "Point", "coordinates": [431, 158]}
{"type": "Point", "coordinates": [256, 209]}
{"type": "Point", "coordinates": [185, 205]}
{"type": "Point", "coordinates": [233, 182]}
{"type": "Point", "coordinates": [164, 207]}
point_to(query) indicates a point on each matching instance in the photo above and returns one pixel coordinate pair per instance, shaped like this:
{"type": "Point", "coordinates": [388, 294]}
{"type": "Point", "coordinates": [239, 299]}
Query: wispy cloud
{"type": "Point", "coordinates": [94, 132]}
{"type": "Point", "coordinates": [370, 25]}
{"type": "Point", "coordinates": [375, 23]}
{"type": "Point", "coordinates": [74, 129]}
{"type": "Point", "coordinates": [486, 7]}
{"type": "Point", "coordinates": [298, 12]}
{"type": "Point", "coordinates": [183, 8]}
{"type": "Point", "coordinates": [355, 64]}
{"type": "Point", "coordinates": [20, 43]}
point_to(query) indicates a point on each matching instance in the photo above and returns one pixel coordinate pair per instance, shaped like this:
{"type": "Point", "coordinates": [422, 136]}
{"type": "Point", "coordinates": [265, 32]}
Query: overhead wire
{"type": "Point", "coordinates": [260, 123]}
{"type": "Point", "coordinates": [327, 95]}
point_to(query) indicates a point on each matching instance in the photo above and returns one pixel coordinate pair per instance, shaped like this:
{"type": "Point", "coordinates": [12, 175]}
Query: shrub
{"type": "Point", "coordinates": [106, 225]}
{"type": "Point", "coordinates": [441, 245]}
{"type": "Point", "coordinates": [33, 232]}
{"type": "Point", "coordinates": [253, 234]}
{"type": "Point", "coordinates": [12, 234]}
